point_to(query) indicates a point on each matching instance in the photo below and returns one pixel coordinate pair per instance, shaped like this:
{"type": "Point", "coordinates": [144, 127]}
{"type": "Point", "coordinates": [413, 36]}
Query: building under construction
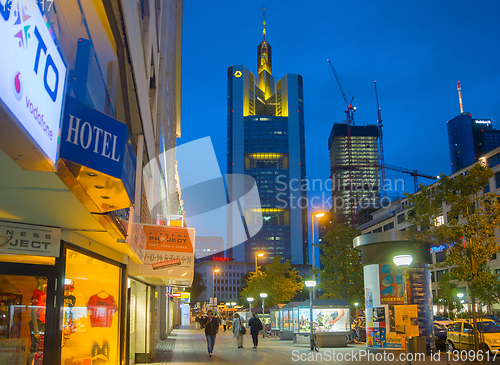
{"type": "Point", "coordinates": [364, 188]}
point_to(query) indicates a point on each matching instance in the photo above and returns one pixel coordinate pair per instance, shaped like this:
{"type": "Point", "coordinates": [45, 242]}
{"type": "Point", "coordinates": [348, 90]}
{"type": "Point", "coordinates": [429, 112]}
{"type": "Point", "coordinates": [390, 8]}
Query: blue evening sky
{"type": "Point", "coordinates": [415, 50]}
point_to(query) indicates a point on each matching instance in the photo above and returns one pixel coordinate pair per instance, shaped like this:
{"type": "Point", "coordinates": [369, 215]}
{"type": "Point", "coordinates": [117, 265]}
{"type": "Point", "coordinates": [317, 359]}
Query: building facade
{"type": "Point", "coordinates": [394, 218]}
{"type": "Point", "coordinates": [469, 139]}
{"type": "Point", "coordinates": [81, 178]}
{"type": "Point", "coordinates": [364, 188]}
{"type": "Point", "coordinates": [266, 141]}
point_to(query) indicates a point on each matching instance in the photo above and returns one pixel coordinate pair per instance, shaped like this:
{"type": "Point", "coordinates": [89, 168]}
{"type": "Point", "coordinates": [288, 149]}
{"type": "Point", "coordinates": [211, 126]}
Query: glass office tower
{"type": "Point", "coordinates": [265, 125]}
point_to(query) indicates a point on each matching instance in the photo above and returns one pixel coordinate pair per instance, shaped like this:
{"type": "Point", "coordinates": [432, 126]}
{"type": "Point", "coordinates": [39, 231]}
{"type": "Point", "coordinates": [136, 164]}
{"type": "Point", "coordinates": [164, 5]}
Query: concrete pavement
{"type": "Point", "coordinates": [190, 347]}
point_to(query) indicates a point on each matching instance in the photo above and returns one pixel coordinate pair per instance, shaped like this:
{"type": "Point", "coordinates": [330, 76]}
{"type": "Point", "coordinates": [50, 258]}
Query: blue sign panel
{"type": "Point", "coordinates": [95, 140]}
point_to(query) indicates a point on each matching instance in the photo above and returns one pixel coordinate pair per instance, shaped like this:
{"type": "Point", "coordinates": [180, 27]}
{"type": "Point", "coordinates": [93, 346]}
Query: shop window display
{"type": "Point", "coordinates": [91, 307]}
{"type": "Point", "coordinates": [22, 319]}
{"type": "Point", "coordinates": [324, 319]}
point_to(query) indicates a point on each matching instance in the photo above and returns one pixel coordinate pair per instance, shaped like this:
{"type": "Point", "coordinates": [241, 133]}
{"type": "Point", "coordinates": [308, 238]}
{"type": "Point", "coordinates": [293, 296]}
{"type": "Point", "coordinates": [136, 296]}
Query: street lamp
{"type": "Point", "coordinates": [311, 284]}
{"type": "Point", "coordinates": [460, 296]}
{"type": "Point", "coordinates": [356, 305]}
{"type": "Point", "coordinates": [263, 296]}
{"type": "Point", "coordinates": [213, 288]}
{"type": "Point", "coordinates": [250, 300]}
{"type": "Point", "coordinates": [403, 261]}
{"type": "Point", "coordinates": [259, 255]}
{"type": "Point", "coordinates": [317, 215]}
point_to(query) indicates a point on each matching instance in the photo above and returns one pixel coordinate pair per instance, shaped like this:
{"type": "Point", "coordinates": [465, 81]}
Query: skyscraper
{"type": "Point", "coordinates": [265, 139]}
{"type": "Point", "coordinates": [469, 139]}
{"type": "Point", "coordinates": [365, 187]}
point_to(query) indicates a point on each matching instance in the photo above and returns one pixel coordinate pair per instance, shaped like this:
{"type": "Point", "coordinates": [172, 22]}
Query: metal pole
{"type": "Point", "coordinates": [264, 329]}
{"type": "Point", "coordinates": [313, 256]}
{"type": "Point", "coordinates": [256, 263]}
{"type": "Point", "coordinates": [213, 291]}
{"type": "Point", "coordinates": [311, 317]}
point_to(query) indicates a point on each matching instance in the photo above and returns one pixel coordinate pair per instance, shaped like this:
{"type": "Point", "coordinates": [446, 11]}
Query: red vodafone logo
{"type": "Point", "coordinates": [17, 85]}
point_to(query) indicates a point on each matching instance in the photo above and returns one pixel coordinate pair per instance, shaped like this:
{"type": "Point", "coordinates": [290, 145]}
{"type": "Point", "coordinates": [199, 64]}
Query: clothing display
{"type": "Point", "coordinates": [39, 299]}
{"type": "Point", "coordinates": [101, 310]}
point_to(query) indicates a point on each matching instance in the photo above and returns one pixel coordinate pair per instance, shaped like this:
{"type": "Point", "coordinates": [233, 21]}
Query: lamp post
{"type": "Point", "coordinates": [263, 296]}
{"type": "Point", "coordinates": [250, 300]}
{"type": "Point", "coordinates": [403, 261]}
{"type": "Point", "coordinates": [460, 296]}
{"type": "Point", "coordinates": [213, 288]}
{"type": "Point", "coordinates": [317, 215]}
{"type": "Point", "coordinates": [356, 305]}
{"type": "Point", "coordinates": [257, 255]}
{"type": "Point", "coordinates": [311, 284]}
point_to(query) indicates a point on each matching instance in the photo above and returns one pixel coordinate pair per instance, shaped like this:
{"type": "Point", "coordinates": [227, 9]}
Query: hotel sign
{"type": "Point", "coordinates": [24, 239]}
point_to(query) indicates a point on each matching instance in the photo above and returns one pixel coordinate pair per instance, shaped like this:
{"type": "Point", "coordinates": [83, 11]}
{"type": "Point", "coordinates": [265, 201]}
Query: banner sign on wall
{"type": "Point", "coordinates": [32, 74]}
{"type": "Point", "coordinates": [25, 239]}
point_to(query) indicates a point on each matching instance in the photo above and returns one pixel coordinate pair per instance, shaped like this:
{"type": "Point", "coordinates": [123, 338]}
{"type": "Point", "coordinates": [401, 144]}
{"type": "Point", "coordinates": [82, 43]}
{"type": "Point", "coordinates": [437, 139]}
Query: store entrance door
{"type": "Point", "coordinates": [25, 324]}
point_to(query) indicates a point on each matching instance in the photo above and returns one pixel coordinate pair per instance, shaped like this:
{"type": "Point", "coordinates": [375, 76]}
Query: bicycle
{"type": "Point", "coordinates": [314, 342]}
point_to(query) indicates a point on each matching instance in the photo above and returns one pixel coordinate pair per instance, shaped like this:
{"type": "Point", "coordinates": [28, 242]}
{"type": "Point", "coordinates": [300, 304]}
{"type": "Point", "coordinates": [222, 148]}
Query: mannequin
{"type": "Point", "coordinates": [37, 323]}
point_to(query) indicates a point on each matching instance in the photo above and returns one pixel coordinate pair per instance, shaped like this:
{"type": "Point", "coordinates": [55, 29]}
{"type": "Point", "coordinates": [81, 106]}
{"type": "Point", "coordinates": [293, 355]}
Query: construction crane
{"type": "Point", "coordinates": [414, 173]}
{"type": "Point", "coordinates": [349, 119]}
{"type": "Point", "coordinates": [381, 144]}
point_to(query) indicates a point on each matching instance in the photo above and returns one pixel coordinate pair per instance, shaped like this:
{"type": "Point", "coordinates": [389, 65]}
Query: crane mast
{"type": "Point", "coordinates": [381, 144]}
{"type": "Point", "coordinates": [349, 119]}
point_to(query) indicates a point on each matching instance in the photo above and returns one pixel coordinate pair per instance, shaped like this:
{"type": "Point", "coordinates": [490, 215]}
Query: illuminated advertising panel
{"type": "Point", "coordinates": [32, 74]}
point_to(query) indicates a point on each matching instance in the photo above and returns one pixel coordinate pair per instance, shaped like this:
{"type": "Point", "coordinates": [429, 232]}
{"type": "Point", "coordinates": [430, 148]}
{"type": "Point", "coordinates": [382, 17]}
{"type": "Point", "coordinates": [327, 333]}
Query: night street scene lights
{"type": "Point", "coordinates": [257, 255]}
{"type": "Point", "coordinates": [250, 300]}
{"type": "Point", "coordinates": [263, 296]}
{"type": "Point", "coordinates": [213, 288]}
{"type": "Point", "coordinates": [317, 215]}
{"type": "Point", "coordinates": [311, 284]}
{"type": "Point", "coordinates": [403, 261]}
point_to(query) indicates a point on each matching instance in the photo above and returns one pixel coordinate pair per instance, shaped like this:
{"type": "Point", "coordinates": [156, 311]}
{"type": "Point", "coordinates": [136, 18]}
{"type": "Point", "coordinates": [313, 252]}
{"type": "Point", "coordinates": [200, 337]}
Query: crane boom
{"type": "Point", "coordinates": [381, 144]}
{"type": "Point", "coordinates": [349, 119]}
{"type": "Point", "coordinates": [414, 173]}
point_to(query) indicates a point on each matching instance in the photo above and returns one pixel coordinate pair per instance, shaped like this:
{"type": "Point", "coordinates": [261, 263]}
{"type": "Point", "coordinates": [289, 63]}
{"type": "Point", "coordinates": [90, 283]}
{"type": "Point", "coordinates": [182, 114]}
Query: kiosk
{"type": "Point", "coordinates": [331, 322]}
{"type": "Point", "coordinates": [390, 318]}
{"type": "Point", "coordinates": [287, 322]}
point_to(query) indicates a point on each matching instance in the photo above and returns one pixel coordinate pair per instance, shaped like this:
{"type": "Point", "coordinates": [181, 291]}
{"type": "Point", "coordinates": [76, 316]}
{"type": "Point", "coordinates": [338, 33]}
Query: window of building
{"type": "Point", "coordinates": [401, 218]}
{"type": "Point", "coordinates": [379, 229]}
{"type": "Point", "coordinates": [439, 274]}
{"type": "Point", "coordinates": [439, 220]}
{"type": "Point", "coordinates": [440, 256]}
{"type": "Point", "coordinates": [497, 179]}
{"type": "Point", "coordinates": [389, 226]}
{"type": "Point", "coordinates": [432, 277]}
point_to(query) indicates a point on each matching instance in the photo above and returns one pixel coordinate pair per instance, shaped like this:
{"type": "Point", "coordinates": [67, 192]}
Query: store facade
{"type": "Point", "coordinates": [72, 149]}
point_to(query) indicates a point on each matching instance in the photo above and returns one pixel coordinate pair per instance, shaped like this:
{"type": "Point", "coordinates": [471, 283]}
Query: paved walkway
{"type": "Point", "coordinates": [190, 347]}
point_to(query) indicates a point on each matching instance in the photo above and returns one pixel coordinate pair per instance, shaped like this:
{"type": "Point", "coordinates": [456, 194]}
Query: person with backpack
{"type": "Point", "coordinates": [255, 325]}
{"type": "Point", "coordinates": [211, 325]}
{"type": "Point", "coordinates": [239, 329]}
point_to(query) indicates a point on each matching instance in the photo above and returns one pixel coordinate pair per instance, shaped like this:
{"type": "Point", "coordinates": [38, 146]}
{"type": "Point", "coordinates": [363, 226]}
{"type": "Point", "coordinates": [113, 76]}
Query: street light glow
{"type": "Point", "coordinates": [263, 295]}
{"type": "Point", "coordinates": [403, 260]}
{"type": "Point", "coordinates": [249, 299]}
{"type": "Point", "coordinates": [216, 270]}
{"type": "Point", "coordinates": [356, 304]}
{"type": "Point", "coordinates": [319, 215]}
{"type": "Point", "coordinates": [260, 254]}
{"type": "Point", "coordinates": [460, 295]}
{"type": "Point", "coordinates": [310, 283]}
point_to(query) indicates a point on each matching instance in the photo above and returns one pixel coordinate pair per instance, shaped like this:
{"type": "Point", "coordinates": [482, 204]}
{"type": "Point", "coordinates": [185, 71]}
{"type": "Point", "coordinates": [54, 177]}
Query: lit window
{"type": "Point", "coordinates": [439, 220]}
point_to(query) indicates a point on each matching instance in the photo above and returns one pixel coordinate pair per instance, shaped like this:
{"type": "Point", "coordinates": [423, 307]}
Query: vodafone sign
{"type": "Point", "coordinates": [32, 73]}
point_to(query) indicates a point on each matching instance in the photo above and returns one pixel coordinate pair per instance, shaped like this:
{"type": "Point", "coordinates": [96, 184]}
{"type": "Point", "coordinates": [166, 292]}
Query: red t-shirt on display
{"type": "Point", "coordinates": [39, 299]}
{"type": "Point", "coordinates": [101, 310]}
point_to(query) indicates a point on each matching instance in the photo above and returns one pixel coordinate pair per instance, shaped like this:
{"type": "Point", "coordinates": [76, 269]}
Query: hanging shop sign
{"type": "Point", "coordinates": [168, 248]}
{"type": "Point", "coordinates": [24, 239]}
{"type": "Point", "coordinates": [101, 148]}
{"type": "Point", "coordinates": [32, 75]}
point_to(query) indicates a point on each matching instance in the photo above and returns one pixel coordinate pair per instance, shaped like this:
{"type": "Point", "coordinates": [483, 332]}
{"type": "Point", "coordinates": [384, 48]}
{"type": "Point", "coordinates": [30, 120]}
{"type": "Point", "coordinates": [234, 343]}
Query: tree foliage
{"type": "Point", "coordinates": [342, 274]}
{"type": "Point", "coordinates": [196, 288]}
{"type": "Point", "coordinates": [278, 280]}
{"type": "Point", "coordinates": [448, 291]}
{"type": "Point", "coordinates": [469, 231]}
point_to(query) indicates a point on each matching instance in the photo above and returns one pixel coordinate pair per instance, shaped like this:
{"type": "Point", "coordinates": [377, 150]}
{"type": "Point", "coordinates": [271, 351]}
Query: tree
{"type": "Point", "coordinates": [342, 274]}
{"type": "Point", "coordinates": [279, 281]}
{"type": "Point", "coordinates": [196, 288]}
{"type": "Point", "coordinates": [448, 291]}
{"type": "Point", "coordinates": [472, 217]}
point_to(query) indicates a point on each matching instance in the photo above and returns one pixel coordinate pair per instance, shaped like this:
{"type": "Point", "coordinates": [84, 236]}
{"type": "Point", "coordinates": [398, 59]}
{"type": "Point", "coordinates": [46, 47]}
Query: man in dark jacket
{"type": "Point", "coordinates": [255, 326]}
{"type": "Point", "coordinates": [211, 325]}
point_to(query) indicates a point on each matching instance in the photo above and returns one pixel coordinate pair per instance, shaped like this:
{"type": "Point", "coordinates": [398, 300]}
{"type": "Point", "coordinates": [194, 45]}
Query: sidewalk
{"type": "Point", "coordinates": [190, 347]}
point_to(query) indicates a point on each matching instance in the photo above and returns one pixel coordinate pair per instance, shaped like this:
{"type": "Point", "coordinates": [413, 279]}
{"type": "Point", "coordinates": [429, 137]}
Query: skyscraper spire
{"type": "Point", "coordinates": [263, 23]}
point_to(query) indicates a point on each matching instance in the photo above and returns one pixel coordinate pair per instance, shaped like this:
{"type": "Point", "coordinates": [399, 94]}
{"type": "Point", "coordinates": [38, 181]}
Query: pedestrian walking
{"type": "Point", "coordinates": [224, 323]}
{"type": "Point", "coordinates": [239, 329]}
{"type": "Point", "coordinates": [211, 325]}
{"type": "Point", "coordinates": [255, 325]}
